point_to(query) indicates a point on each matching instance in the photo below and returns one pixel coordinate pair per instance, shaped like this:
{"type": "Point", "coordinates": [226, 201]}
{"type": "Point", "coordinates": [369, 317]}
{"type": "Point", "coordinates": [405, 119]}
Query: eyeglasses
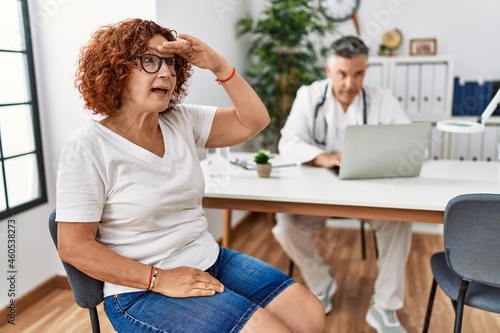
{"type": "Point", "coordinates": [151, 63]}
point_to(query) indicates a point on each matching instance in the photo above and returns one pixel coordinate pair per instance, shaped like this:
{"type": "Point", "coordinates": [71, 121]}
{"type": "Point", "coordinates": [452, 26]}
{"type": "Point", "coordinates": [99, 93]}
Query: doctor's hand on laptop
{"type": "Point", "coordinates": [327, 160]}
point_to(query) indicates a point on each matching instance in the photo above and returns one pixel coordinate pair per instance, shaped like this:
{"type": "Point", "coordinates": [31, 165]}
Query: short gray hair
{"type": "Point", "coordinates": [349, 47]}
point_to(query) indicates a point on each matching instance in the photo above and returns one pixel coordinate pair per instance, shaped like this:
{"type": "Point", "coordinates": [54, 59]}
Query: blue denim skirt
{"type": "Point", "coordinates": [249, 283]}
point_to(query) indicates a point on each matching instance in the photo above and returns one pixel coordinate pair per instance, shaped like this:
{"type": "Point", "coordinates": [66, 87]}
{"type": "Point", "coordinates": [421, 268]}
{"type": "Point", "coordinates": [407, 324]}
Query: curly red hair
{"type": "Point", "coordinates": [106, 62]}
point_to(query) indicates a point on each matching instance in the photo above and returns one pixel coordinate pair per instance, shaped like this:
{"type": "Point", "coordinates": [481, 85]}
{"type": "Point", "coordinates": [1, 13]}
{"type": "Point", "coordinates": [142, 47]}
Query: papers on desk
{"type": "Point", "coordinates": [249, 164]}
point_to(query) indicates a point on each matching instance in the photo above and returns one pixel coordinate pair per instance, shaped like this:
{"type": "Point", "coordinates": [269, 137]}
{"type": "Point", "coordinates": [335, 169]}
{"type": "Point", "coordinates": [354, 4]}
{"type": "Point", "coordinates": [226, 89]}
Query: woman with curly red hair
{"type": "Point", "coordinates": [129, 191]}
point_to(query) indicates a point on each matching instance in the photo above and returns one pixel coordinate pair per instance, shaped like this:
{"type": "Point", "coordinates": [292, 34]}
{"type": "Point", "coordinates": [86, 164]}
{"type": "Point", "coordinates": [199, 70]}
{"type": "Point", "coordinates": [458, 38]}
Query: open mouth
{"type": "Point", "coordinates": [161, 91]}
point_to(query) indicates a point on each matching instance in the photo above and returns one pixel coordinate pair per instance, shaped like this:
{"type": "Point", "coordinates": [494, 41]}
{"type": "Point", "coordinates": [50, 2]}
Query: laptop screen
{"type": "Point", "coordinates": [384, 151]}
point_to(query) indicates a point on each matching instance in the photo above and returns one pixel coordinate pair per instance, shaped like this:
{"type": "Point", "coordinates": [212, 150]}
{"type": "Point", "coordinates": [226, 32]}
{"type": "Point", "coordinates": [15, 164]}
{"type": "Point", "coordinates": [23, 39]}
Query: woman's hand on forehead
{"type": "Point", "coordinates": [178, 46]}
{"type": "Point", "coordinates": [195, 51]}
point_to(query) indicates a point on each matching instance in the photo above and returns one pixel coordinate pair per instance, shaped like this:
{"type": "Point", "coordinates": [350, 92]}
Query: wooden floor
{"type": "Point", "coordinates": [57, 313]}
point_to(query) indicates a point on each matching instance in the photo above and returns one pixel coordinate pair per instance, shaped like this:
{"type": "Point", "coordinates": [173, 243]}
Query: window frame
{"type": "Point", "coordinates": [37, 134]}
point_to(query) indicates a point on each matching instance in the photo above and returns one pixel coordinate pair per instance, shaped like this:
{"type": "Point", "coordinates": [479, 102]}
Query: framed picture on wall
{"type": "Point", "coordinates": [423, 46]}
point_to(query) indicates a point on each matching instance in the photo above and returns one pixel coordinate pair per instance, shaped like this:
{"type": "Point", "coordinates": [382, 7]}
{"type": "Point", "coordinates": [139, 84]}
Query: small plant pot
{"type": "Point", "coordinates": [264, 170]}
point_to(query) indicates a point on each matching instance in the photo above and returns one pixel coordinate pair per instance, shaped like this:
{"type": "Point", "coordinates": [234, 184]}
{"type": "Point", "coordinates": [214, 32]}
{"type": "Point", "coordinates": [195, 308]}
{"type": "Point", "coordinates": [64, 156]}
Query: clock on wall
{"type": "Point", "coordinates": [339, 10]}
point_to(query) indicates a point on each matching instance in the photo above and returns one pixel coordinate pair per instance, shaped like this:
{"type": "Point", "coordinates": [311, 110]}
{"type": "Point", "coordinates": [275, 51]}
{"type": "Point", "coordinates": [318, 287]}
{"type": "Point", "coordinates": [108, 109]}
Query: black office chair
{"type": "Point", "coordinates": [468, 271]}
{"type": "Point", "coordinates": [87, 291]}
{"type": "Point", "coordinates": [363, 247]}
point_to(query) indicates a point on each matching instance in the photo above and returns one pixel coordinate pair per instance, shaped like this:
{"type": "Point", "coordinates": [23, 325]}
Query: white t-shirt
{"type": "Point", "coordinates": [299, 143]}
{"type": "Point", "coordinates": [149, 207]}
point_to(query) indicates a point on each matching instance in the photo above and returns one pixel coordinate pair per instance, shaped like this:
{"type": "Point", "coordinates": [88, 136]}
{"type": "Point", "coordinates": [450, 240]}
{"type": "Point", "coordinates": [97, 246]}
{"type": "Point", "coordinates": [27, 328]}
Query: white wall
{"type": "Point", "coordinates": [59, 27]}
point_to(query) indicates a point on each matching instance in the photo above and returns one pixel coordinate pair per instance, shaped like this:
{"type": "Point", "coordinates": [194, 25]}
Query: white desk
{"type": "Point", "coordinates": [318, 191]}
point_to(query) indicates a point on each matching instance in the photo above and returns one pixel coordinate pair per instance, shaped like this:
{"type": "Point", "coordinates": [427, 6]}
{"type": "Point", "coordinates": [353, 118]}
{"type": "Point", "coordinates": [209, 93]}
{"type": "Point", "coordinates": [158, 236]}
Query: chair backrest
{"type": "Point", "coordinates": [472, 237]}
{"type": "Point", "coordinates": [87, 291]}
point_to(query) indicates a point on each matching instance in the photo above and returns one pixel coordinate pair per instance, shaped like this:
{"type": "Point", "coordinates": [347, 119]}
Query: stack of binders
{"type": "Point", "coordinates": [472, 97]}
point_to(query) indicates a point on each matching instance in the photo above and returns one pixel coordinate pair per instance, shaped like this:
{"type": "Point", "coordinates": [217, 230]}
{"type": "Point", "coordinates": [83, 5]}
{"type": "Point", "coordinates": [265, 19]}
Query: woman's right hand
{"type": "Point", "coordinates": [186, 282]}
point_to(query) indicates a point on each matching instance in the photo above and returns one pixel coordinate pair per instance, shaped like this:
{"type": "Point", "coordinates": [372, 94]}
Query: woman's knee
{"type": "Point", "coordinates": [262, 321]}
{"type": "Point", "coordinates": [299, 309]}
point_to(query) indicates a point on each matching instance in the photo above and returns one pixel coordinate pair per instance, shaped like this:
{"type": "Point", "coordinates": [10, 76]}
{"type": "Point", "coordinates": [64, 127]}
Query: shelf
{"type": "Point", "coordinates": [494, 120]}
{"type": "Point", "coordinates": [420, 83]}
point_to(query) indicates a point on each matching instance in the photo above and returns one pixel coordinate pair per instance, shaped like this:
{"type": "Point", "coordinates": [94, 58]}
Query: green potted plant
{"type": "Point", "coordinates": [283, 55]}
{"type": "Point", "coordinates": [261, 158]}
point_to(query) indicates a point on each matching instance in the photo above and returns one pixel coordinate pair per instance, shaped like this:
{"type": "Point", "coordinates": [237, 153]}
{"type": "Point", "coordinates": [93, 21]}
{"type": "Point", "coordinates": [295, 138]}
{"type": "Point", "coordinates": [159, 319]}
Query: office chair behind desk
{"type": "Point", "coordinates": [87, 291]}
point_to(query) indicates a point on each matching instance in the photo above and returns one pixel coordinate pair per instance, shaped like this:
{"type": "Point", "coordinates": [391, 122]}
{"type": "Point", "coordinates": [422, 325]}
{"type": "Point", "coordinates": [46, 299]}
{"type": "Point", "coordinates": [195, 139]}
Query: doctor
{"type": "Point", "coordinates": [314, 134]}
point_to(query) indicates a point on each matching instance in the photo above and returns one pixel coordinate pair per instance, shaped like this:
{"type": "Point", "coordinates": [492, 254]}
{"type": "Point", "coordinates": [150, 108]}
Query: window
{"type": "Point", "coordinates": [22, 175]}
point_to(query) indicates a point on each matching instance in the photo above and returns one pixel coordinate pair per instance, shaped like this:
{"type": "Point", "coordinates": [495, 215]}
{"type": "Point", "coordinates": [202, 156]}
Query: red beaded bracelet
{"type": "Point", "coordinates": [219, 81]}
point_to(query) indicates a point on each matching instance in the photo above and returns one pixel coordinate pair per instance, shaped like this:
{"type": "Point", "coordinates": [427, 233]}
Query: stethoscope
{"type": "Point", "coordinates": [316, 111]}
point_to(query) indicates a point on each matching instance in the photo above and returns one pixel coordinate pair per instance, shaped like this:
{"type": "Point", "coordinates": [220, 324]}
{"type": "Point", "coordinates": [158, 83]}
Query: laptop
{"type": "Point", "coordinates": [384, 151]}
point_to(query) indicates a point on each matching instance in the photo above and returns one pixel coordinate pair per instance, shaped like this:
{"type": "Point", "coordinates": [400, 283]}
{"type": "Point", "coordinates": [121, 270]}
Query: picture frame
{"type": "Point", "coordinates": [423, 46]}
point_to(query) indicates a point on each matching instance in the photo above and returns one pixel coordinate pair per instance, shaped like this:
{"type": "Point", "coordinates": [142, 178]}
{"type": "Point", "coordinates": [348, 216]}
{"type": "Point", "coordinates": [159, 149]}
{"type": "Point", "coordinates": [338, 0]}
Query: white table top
{"type": "Point", "coordinates": [438, 182]}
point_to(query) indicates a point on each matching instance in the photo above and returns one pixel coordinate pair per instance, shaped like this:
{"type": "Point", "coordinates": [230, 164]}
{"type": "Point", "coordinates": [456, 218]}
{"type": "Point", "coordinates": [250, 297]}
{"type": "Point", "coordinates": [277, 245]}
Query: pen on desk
{"type": "Point", "coordinates": [285, 165]}
{"type": "Point", "coordinates": [250, 166]}
{"type": "Point", "coordinates": [241, 163]}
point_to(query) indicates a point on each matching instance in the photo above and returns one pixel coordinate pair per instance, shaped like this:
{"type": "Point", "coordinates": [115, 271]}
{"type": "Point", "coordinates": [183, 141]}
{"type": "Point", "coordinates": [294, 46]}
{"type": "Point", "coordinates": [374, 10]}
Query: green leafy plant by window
{"type": "Point", "coordinates": [284, 52]}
